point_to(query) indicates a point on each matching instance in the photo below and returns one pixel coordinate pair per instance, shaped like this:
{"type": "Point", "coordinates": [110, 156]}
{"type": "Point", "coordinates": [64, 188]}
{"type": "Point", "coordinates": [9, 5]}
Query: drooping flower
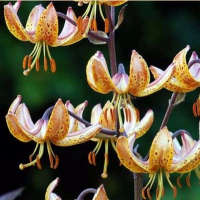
{"type": "Point", "coordinates": [92, 11]}
{"type": "Point", "coordinates": [99, 193]}
{"type": "Point", "coordinates": [59, 129]}
{"type": "Point", "coordinates": [42, 30]}
{"type": "Point", "coordinates": [107, 118]}
{"type": "Point", "coordinates": [185, 79]}
{"type": "Point", "coordinates": [165, 156]}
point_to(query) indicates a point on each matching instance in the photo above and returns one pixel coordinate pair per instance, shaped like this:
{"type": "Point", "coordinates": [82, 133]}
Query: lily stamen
{"type": "Point", "coordinates": [38, 157]}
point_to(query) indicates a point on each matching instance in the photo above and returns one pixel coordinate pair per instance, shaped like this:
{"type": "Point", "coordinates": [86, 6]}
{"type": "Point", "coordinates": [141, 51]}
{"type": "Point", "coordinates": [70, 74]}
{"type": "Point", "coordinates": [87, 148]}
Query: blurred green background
{"type": "Point", "coordinates": [158, 31]}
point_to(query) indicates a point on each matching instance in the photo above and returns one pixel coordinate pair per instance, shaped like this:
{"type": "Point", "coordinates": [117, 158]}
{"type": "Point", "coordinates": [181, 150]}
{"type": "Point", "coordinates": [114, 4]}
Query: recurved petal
{"type": "Point", "coordinates": [157, 84]}
{"type": "Point", "coordinates": [100, 194]}
{"type": "Point", "coordinates": [172, 84]}
{"type": "Point", "coordinates": [13, 22]}
{"type": "Point", "coordinates": [79, 137]}
{"type": "Point", "coordinates": [58, 124]}
{"type": "Point", "coordinates": [143, 126]}
{"type": "Point", "coordinates": [15, 129]}
{"type": "Point", "coordinates": [32, 21]}
{"type": "Point", "coordinates": [47, 27]}
{"type": "Point", "coordinates": [95, 114]}
{"type": "Point", "coordinates": [182, 73]}
{"type": "Point", "coordinates": [98, 75]}
{"type": "Point", "coordinates": [139, 76]}
{"type": "Point", "coordinates": [161, 151]}
{"type": "Point", "coordinates": [188, 157]}
{"type": "Point", "coordinates": [49, 193]}
{"type": "Point", "coordinates": [130, 119]}
{"type": "Point", "coordinates": [124, 147]}
{"type": "Point", "coordinates": [15, 104]}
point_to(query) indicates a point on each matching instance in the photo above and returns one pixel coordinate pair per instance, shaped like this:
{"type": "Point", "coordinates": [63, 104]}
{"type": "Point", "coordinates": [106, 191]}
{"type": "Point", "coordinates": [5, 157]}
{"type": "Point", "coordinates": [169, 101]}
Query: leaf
{"type": "Point", "coordinates": [12, 195]}
{"type": "Point", "coordinates": [98, 37]}
{"type": "Point", "coordinates": [120, 17]}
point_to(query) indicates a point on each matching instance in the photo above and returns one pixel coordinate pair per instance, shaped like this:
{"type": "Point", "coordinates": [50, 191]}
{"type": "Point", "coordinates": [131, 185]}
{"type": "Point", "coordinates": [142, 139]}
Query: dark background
{"type": "Point", "coordinates": [158, 31]}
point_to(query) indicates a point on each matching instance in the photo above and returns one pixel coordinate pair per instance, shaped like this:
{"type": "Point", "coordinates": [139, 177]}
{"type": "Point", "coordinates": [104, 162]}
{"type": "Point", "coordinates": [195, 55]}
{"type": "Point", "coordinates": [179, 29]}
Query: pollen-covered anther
{"type": "Point", "coordinates": [188, 180]}
{"type": "Point", "coordinates": [37, 65]}
{"type": "Point", "coordinates": [143, 193]}
{"type": "Point", "coordinates": [53, 65]}
{"type": "Point", "coordinates": [179, 182]}
{"type": "Point", "coordinates": [174, 191]}
{"type": "Point", "coordinates": [92, 158]}
{"type": "Point", "coordinates": [148, 193]}
{"type": "Point", "coordinates": [106, 23]}
{"type": "Point", "coordinates": [56, 161]}
{"type": "Point", "coordinates": [38, 162]}
{"type": "Point", "coordinates": [79, 24]}
{"type": "Point", "coordinates": [51, 161]}
{"type": "Point", "coordinates": [24, 63]}
{"type": "Point", "coordinates": [29, 62]}
{"type": "Point", "coordinates": [45, 64]}
{"type": "Point", "coordinates": [196, 108]}
{"type": "Point", "coordinates": [94, 25]}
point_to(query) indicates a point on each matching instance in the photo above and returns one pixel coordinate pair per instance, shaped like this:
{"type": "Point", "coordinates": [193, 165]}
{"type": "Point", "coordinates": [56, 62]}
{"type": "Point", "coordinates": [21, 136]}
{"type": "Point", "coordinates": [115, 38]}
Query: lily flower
{"type": "Point", "coordinates": [185, 79]}
{"type": "Point", "coordinates": [59, 129]}
{"type": "Point", "coordinates": [92, 11]}
{"type": "Point", "coordinates": [99, 194]}
{"type": "Point", "coordinates": [42, 30]}
{"type": "Point", "coordinates": [107, 118]}
{"type": "Point", "coordinates": [137, 83]}
{"type": "Point", "coordinates": [165, 157]}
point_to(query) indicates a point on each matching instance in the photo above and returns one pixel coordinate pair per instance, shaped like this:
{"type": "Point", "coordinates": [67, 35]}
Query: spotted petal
{"type": "Point", "coordinates": [98, 75]}
{"type": "Point", "coordinates": [79, 137]}
{"type": "Point", "coordinates": [124, 149]}
{"type": "Point", "coordinates": [161, 151]}
{"type": "Point", "coordinates": [13, 22]}
{"type": "Point", "coordinates": [58, 124]}
{"type": "Point", "coordinates": [47, 27]}
{"type": "Point", "coordinates": [100, 194]}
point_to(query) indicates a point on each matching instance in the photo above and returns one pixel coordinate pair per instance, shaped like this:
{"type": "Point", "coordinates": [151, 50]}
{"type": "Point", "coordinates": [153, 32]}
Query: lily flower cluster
{"type": "Point", "coordinates": [118, 121]}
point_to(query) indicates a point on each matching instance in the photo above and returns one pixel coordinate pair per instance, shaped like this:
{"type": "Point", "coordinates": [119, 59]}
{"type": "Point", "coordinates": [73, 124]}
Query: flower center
{"type": "Point", "coordinates": [32, 60]}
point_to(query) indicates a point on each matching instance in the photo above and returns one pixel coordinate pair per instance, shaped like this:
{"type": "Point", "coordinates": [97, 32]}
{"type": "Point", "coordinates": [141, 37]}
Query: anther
{"type": "Point", "coordinates": [79, 24]}
{"type": "Point", "coordinates": [90, 157]}
{"type": "Point", "coordinates": [106, 23]}
{"type": "Point", "coordinates": [175, 192]}
{"type": "Point", "coordinates": [24, 64]}
{"type": "Point", "coordinates": [29, 62]}
{"type": "Point", "coordinates": [94, 158]}
{"type": "Point", "coordinates": [56, 162]}
{"type": "Point", "coordinates": [178, 181]}
{"type": "Point", "coordinates": [45, 64]}
{"type": "Point", "coordinates": [188, 180]}
{"type": "Point", "coordinates": [37, 65]}
{"type": "Point", "coordinates": [143, 193]}
{"type": "Point", "coordinates": [51, 161]}
{"type": "Point", "coordinates": [53, 65]}
{"type": "Point", "coordinates": [38, 162]}
{"type": "Point", "coordinates": [148, 193]}
{"type": "Point", "coordinates": [94, 25]}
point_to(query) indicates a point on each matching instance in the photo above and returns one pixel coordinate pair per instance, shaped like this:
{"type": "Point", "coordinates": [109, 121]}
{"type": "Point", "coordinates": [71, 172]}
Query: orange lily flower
{"type": "Point", "coordinates": [107, 118]}
{"type": "Point", "coordinates": [165, 157]}
{"type": "Point", "coordinates": [42, 30]}
{"type": "Point", "coordinates": [99, 194]}
{"type": "Point", "coordinates": [92, 9]}
{"type": "Point", "coordinates": [184, 79]}
{"type": "Point", "coordinates": [59, 128]}
{"type": "Point", "coordinates": [137, 83]}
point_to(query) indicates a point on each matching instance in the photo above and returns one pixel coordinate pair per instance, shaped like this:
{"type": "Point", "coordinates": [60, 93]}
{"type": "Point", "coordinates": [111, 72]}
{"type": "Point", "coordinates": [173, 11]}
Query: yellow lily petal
{"type": "Point", "coordinates": [48, 22]}
{"type": "Point", "coordinates": [79, 137]}
{"type": "Point", "coordinates": [100, 194]}
{"type": "Point", "coordinates": [58, 124]}
{"type": "Point", "coordinates": [143, 126]}
{"type": "Point", "coordinates": [172, 84]}
{"type": "Point", "coordinates": [98, 75]}
{"type": "Point", "coordinates": [127, 158]}
{"type": "Point", "coordinates": [15, 129]}
{"type": "Point", "coordinates": [13, 23]}
{"type": "Point", "coordinates": [161, 151]}
{"type": "Point", "coordinates": [159, 83]}
{"type": "Point", "coordinates": [182, 73]}
{"type": "Point", "coordinates": [139, 75]}
{"type": "Point", "coordinates": [49, 193]}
